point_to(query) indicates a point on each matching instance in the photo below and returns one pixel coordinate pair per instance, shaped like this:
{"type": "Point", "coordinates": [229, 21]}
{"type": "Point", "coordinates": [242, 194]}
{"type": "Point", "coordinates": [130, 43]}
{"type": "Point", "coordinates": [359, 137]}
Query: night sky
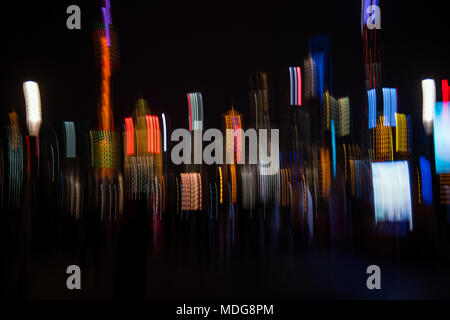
{"type": "Point", "coordinates": [168, 48]}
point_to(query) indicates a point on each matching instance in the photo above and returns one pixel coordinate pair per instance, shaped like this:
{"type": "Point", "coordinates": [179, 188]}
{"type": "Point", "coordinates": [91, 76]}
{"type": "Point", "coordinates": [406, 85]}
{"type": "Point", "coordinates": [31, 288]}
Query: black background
{"type": "Point", "coordinates": [169, 48]}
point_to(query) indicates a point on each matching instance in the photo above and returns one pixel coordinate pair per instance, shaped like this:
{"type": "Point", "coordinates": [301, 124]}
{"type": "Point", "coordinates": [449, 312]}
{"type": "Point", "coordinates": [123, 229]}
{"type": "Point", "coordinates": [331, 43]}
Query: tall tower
{"type": "Point", "coordinates": [371, 38]}
{"type": "Point", "coordinates": [105, 41]}
{"type": "Point", "coordinates": [105, 140]}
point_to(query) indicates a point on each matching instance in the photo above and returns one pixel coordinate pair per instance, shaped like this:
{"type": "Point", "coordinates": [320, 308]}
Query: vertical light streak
{"type": "Point", "coordinates": [71, 144]}
{"type": "Point", "coordinates": [149, 133]}
{"type": "Point", "coordinates": [105, 113]}
{"type": "Point", "coordinates": [157, 136]}
{"type": "Point", "coordinates": [427, 186]}
{"type": "Point", "coordinates": [428, 103]}
{"type": "Point", "coordinates": [221, 185]}
{"type": "Point", "coordinates": [164, 132]}
{"type": "Point", "coordinates": [386, 107]}
{"type": "Point", "coordinates": [129, 135]}
{"type": "Point", "coordinates": [291, 83]}
{"type": "Point", "coordinates": [299, 86]}
{"type": "Point", "coordinates": [194, 112]}
{"type": "Point", "coordinates": [33, 107]}
{"type": "Point", "coordinates": [445, 98]}
{"type": "Point", "coordinates": [190, 111]}
{"type": "Point", "coordinates": [153, 135]}
{"type": "Point", "coordinates": [105, 20]}
{"type": "Point", "coordinates": [372, 99]}
{"type": "Point", "coordinates": [333, 147]}
{"type": "Point", "coordinates": [295, 85]}
{"type": "Point", "coordinates": [394, 97]}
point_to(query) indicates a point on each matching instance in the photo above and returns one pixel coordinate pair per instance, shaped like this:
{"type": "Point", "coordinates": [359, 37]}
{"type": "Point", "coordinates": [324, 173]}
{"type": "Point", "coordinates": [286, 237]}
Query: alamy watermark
{"type": "Point", "coordinates": [261, 150]}
{"type": "Point", "coordinates": [374, 280]}
{"type": "Point", "coordinates": [74, 279]}
{"type": "Point", "coordinates": [74, 20]}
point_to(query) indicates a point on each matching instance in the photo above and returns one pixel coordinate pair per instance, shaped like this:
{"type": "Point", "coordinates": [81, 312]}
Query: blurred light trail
{"type": "Point", "coordinates": [129, 135]}
{"type": "Point", "coordinates": [296, 86]}
{"type": "Point", "coordinates": [372, 100]}
{"type": "Point", "coordinates": [164, 132]}
{"type": "Point", "coordinates": [153, 134]}
{"type": "Point", "coordinates": [445, 92]}
{"type": "Point", "coordinates": [33, 107]}
{"type": "Point", "coordinates": [389, 106]}
{"type": "Point", "coordinates": [195, 102]}
{"type": "Point", "coordinates": [333, 147]}
{"type": "Point", "coordinates": [426, 183]}
{"type": "Point", "coordinates": [105, 113]}
{"type": "Point", "coordinates": [343, 123]}
{"type": "Point", "coordinates": [428, 102]}
{"type": "Point", "coordinates": [401, 133]}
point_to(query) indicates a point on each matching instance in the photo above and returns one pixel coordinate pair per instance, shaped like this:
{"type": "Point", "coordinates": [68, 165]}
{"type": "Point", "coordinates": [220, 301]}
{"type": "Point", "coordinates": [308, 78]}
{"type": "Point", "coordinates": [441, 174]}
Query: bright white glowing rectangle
{"type": "Point", "coordinates": [392, 192]}
{"type": "Point", "coordinates": [33, 107]}
{"type": "Point", "coordinates": [428, 102]}
{"type": "Point", "coordinates": [164, 132]}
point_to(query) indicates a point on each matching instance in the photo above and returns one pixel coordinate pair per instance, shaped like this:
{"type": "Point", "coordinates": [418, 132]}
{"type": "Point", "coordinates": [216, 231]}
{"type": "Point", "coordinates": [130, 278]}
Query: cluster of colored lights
{"type": "Point", "coordinates": [401, 133]}
{"type": "Point", "coordinates": [383, 141]}
{"type": "Point", "coordinates": [105, 149]}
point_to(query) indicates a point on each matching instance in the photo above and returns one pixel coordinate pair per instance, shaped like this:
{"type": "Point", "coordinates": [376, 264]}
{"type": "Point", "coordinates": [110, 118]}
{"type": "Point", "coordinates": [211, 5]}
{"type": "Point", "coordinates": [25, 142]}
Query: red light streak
{"type": "Point", "coordinates": [153, 140]}
{"type": "Point", "coordinates": [299, 86]}
{"type": "Point", "coordinates": [130, 135]}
